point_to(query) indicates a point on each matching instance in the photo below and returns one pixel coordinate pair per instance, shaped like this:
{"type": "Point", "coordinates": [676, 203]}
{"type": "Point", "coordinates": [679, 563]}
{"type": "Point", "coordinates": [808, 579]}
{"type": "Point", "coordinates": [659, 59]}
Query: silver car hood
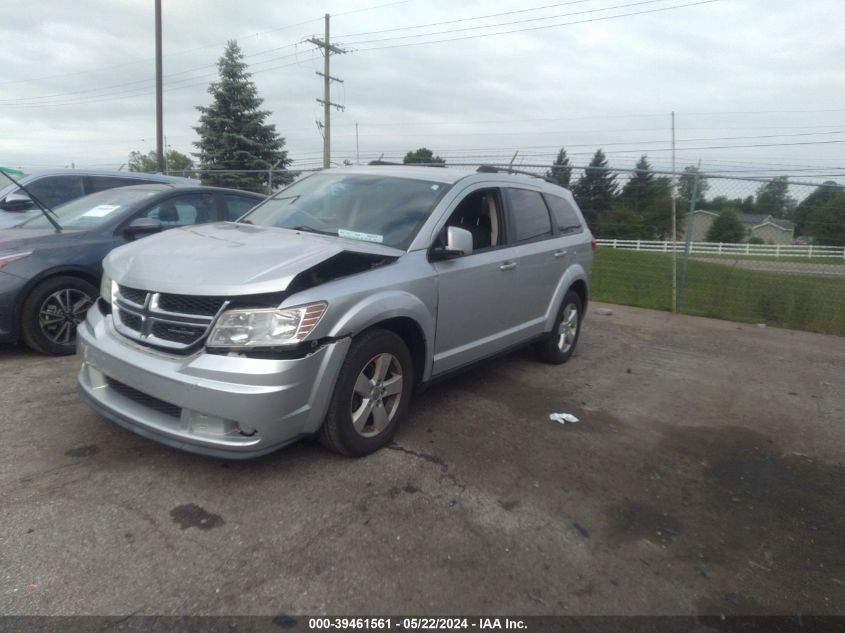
{"type": "Point", "coordinates": [226, 259]}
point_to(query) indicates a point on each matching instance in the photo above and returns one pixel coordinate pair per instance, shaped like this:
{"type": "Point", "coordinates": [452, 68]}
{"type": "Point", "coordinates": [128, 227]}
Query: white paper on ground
{"type": "Point", "coordinates": [563, 418]}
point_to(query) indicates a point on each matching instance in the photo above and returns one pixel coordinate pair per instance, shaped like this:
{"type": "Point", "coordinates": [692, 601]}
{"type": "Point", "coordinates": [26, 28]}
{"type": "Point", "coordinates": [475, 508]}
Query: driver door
{"type": "Point", "coordinates": [475, 314]}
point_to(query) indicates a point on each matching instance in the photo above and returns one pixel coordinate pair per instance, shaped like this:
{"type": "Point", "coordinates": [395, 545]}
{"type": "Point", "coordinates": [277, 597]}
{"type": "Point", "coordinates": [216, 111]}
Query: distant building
{"type": "Point", "coordinates": [760, 225]}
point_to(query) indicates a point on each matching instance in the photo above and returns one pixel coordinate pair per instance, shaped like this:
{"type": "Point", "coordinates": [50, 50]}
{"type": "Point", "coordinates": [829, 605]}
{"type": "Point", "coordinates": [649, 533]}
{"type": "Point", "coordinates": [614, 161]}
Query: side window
{"type": "Point", "coordinates": [101, 183]}
{"type": "Point", "coordinates": [480, 213]}
{"type": "Point", "coordinates": [56, 190]}
{"type": "Point", "coordinates": [564, 213]}
{"type": "Point", "coordinates": [196, 208]}
{"type": "Point", "coordinates": [529, 214]}
{"type": "Point", "coordinates": [238, 205]}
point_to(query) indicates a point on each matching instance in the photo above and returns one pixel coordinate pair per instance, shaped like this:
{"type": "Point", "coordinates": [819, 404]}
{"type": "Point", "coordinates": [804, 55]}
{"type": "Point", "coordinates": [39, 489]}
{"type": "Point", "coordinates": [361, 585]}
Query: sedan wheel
{"type": "Point", "coordinates": [60, 314]}
{"type": "Point", "coordinates": [53, 311]}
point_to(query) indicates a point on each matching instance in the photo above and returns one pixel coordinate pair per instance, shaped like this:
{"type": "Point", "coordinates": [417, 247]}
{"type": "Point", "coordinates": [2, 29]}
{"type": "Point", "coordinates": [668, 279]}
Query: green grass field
{"type": "Point", "coordinates": [801, 302]}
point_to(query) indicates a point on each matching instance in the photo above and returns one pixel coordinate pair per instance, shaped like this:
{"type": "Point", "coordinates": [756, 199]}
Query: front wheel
{"type": "Point", "coordinates": [52, 312]}
{"type": "Point", "coordinates": [371, 396]}
{"type": "Point", "coordinates": [559, 344]}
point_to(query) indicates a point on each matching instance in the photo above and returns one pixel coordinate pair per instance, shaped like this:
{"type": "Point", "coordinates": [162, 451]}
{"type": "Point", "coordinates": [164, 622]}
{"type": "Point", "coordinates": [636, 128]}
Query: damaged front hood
{"type": "Point", "coordinates": [227, 259]}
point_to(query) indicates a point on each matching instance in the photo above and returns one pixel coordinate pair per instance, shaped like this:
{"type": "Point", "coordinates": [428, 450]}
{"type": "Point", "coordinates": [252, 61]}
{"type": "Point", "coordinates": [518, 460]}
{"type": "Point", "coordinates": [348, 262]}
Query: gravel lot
{"type": "Point", "coordinates": [705, 477]}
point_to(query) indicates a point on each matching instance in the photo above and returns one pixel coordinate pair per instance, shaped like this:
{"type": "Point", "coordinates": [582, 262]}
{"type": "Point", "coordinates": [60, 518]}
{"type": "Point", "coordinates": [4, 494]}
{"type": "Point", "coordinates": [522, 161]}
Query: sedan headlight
{"type": "Point", "coordinates": [265, 328]}
{"type": "Point", "coordinates": [106, 286]}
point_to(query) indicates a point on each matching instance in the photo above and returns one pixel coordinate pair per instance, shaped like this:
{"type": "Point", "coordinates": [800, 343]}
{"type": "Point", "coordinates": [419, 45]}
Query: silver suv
{"type": "Point", "coordinates": [322, 309]}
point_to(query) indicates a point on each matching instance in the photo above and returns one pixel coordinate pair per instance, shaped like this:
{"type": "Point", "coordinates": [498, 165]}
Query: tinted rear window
{"type": "Point", "coordinates": [565, 215]}
{"type": "Point", "coordinates": [530, 215]}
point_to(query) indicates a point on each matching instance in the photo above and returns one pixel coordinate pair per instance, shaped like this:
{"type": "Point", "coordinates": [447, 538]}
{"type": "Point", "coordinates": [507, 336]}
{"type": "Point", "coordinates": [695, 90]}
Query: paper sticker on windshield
{"type": "Point", "coordinates": [355, 235]}
{"type": "Point", "coordinates": [100, 211]}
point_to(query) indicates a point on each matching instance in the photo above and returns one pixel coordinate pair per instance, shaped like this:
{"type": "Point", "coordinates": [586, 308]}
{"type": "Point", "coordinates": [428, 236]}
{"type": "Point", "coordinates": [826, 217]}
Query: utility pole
{"type": "Point", "coordinates": [328, 49]}
{"type": "Point", "coordinates": [357, 154]}
{"type": "Point", "coordinates": [159, 108]}
{"type": "Point", "coordinates": [674, 225]}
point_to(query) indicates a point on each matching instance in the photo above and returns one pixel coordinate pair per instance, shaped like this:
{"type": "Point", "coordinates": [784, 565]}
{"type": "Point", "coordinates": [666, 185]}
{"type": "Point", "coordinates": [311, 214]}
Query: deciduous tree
{"type": "Point", "coordinates": [726, 228]}
{"type": "Point", "coordinates": [423, 155]}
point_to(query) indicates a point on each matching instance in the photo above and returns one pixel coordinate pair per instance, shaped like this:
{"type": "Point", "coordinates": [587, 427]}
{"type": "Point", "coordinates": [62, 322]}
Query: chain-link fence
{"type": "Point", "coordinates": [746, 249]}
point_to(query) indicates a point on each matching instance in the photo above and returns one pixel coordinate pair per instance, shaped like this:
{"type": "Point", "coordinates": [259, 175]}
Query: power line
{"type": "Point", "coordinates": [478, 17]}
{"type": "Point", "coordinates": [490, 26]}
{"type": "Point", "coordinates": [537, 28]}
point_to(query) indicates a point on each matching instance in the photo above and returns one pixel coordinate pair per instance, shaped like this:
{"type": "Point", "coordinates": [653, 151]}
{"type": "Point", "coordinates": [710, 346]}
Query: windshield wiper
{"type": "Point", "coordinates": [47, 211]}
{"type": "Point", "coordinates": [311, 229]}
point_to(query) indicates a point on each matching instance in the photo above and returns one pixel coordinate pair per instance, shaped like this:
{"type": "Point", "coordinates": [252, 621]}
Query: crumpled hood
{"type": "Point", "coordinates": [226, 259]}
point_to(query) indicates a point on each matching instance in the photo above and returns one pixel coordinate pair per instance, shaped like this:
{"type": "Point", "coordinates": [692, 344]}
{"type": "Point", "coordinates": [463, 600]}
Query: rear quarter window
{"type": "Point", "coordinates": [529, 215]}
{"type": "Point", "coordinates": [564, 213]}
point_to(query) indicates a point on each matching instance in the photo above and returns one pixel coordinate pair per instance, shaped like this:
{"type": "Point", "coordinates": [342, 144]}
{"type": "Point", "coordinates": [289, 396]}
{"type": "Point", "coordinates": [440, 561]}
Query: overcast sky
{"type": "Point", "coordinates": [77, 79]}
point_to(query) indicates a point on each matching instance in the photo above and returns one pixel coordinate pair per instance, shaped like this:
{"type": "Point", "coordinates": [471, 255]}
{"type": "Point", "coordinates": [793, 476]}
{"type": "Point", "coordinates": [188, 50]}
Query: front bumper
{"type": "Point", "coordinates": [203, 403]}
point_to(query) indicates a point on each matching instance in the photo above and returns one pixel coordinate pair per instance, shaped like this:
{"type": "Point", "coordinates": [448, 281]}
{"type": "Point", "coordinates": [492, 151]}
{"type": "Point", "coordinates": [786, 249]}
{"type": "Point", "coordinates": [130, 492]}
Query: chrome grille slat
{"type": "Point", "coordinates": [174, 322]}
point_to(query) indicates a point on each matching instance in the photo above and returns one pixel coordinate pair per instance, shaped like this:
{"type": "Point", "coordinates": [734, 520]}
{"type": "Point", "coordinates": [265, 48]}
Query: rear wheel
{"type": "Point", "coordinates": [371, 396]}
{"type": "Point", "coordinates": [559, 344]}
{"type": "Point", "coordinates": [52, 312]}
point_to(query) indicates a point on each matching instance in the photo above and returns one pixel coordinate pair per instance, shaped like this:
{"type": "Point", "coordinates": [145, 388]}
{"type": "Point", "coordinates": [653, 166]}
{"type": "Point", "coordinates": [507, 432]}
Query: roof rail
{"type": "Point", "coordinates": [492, 169]}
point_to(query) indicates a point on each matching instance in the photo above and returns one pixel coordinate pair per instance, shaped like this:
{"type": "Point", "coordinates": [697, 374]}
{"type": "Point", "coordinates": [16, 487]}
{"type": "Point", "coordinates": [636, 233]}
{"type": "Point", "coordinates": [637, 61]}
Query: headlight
{"type": "Point", "coordinates": [106, 286]}
{"type": "Point", "coordinates": [265, 328]}
{"type": "Point", "coordinates": [8, 258]}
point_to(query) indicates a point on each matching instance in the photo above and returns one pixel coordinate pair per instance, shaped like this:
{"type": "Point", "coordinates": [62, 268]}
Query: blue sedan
{"type": "Point", "coordinates": [50, 276]}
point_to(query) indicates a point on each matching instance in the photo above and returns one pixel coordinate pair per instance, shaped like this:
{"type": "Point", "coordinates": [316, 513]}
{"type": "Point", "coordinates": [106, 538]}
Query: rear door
{"type": "Point", "coordinates": [543, 256]}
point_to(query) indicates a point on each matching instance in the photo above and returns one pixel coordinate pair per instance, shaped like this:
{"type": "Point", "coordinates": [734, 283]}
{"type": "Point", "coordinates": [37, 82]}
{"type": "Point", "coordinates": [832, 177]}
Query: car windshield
{"type": "Point", "coordinates": [91, 211]}
{"type": "Point", "coordinates": [374, 208]}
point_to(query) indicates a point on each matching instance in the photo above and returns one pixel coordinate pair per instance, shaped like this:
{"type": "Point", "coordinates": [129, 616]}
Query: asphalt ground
{"type": "Point", "coordinates": [705, 477]}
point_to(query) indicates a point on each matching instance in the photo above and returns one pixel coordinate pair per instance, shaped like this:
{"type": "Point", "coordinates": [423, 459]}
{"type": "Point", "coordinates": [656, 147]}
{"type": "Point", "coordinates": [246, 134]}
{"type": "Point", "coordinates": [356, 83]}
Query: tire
{"type": "Point", "coordinates": [366, 410]}
{"type": "Point", "coordinates": [52, 312]}
{"type": "Point", "coordinates": [557, 347]}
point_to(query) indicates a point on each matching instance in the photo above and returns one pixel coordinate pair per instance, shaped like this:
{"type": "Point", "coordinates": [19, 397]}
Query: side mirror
{"type": "Point", "coordinates": [17, 202]}
{"type": "Point", "coordinates": [139, 227]}
{"type": "Point", "coordinates": [458, 243]}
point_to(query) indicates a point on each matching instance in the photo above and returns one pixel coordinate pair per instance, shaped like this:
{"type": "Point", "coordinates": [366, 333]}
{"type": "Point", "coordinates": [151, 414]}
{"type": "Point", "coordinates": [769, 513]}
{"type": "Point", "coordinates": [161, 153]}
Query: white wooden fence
{"type": "Point", "coordinates": [717, 248]}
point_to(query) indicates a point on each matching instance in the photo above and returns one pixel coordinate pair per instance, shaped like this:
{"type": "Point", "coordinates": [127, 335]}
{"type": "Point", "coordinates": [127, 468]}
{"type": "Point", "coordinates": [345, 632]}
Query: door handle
{"type": "Point", "coordinates": [560, 253]}
{"type": "Point", "coordinates": [508, 266]}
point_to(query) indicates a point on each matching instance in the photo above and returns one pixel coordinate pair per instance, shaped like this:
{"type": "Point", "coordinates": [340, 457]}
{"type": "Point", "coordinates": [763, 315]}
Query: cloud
{"type": "Point", "coordinates": [77, 85]}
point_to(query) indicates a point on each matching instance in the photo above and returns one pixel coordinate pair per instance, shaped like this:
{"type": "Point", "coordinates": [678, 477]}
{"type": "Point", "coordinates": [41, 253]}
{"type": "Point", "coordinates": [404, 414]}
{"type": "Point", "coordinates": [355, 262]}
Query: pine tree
{"type": "Point", "coordinates": [596, 189]}
{"type": "Point", "coordinates": [561, 171]}
{"type": "Point", "coordinates": [233, 130]}
{"type": "Point", "coordinates": [640, 191]}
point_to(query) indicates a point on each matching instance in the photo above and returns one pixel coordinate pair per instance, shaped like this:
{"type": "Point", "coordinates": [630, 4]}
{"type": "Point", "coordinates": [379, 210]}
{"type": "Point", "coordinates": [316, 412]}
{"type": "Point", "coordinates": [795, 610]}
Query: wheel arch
{"type": "Point", "coordinates": [401, 313]}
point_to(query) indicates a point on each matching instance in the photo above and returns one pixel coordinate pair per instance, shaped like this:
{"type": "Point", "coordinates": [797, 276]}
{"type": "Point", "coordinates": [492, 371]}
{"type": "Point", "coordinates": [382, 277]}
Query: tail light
{"type": "Point", "coordinates": [593, 244]}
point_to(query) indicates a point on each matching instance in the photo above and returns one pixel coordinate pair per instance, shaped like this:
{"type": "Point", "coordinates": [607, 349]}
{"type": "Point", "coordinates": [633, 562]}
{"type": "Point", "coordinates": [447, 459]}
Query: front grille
{"type": "Point", "coordinates": [187, 304]}
{"type": "Point", "coordinates": [177, 333]}
{"type": "Point", "coordinates": [130, 320]}
{"type": "Point", "coordinates": [133, 295]}
{"type": "Point", "coordinates": [145, 400]}
{"type": "Point", "coordinates": [170, 321]}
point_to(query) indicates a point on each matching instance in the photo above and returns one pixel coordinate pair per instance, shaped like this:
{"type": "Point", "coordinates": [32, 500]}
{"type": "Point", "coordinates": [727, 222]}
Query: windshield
{"type": "Point", "coordinates": [92, 211]}
{"type": "Point", "coordinates": [372, 208]}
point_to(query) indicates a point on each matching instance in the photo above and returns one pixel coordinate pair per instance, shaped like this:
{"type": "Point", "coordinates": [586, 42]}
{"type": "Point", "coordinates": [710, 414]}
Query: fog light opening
{"type": "Point", "coordinates": [246, 430]}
